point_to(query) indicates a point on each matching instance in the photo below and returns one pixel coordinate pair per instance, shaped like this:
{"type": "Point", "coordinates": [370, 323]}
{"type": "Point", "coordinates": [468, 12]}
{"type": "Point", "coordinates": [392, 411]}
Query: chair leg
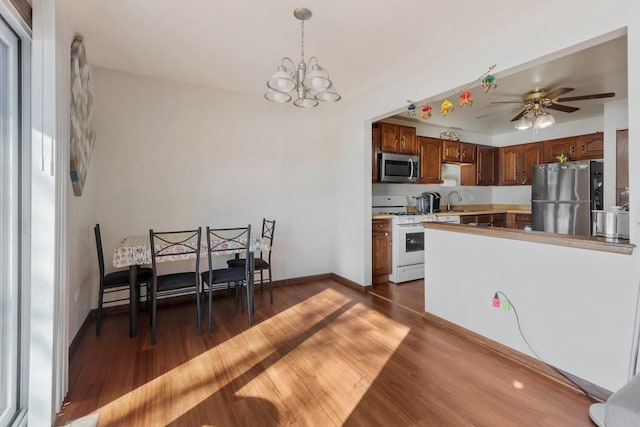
{"type": "Point", "coordinates": [153, 317]}
{"type": "Point", "coordinates": [210, 309]}
{"type": "Point", "coordinates": [99, 320]}
{"type": "Point", "coordinates": [261, 282]}
{"type": "Point", "coordinates": [270, 286]}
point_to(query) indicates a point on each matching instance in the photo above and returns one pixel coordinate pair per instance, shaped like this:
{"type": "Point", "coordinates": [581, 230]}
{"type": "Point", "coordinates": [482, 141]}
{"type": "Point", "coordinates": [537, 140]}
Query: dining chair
{"type": "Point", "coordinates": [225, 241]}
{"type": "Point", "coordinates": [260, 263]}
{"type": "Point", "coordinates": [117, 281]}
{"type": "Point", "coordinates": [170, 246]}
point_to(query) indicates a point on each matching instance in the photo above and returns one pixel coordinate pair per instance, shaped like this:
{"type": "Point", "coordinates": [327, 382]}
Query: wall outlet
{"type": "Point", "coordinates": [77, 294]}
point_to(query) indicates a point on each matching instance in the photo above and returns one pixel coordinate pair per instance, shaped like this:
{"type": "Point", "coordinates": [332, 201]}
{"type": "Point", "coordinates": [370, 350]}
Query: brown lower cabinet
{"type": "Point", "coordinates": [381, 249]}
{"type": "Point", "coordinates": [521, 220]}
{"type": "Point", "coordinates": [493, 220]}
{"type": "Point", "coordinates": [518, 220]}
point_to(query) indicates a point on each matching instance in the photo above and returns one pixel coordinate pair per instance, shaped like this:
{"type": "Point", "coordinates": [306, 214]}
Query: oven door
{"type": "Point", "coordinates": [409, 244]}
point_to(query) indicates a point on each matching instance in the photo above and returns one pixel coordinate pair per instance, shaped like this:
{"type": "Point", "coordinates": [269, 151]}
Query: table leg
{"type": "Point", "coordinates": [133, 300]}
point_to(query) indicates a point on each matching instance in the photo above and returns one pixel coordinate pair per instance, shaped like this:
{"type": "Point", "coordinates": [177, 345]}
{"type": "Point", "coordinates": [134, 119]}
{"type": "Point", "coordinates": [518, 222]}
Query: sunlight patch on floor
{"type": "Point", "coordinates": [321, 354]}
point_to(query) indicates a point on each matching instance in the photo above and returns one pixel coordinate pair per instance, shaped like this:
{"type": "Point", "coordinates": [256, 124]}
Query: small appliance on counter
{"type": "Point", "coordinates": [612, 223]}
{"type": "Point", "coordinates": [428, 203]}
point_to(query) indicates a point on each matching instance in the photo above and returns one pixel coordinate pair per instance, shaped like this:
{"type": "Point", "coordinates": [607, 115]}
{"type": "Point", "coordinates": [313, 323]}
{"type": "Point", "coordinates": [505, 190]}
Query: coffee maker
{"type": "Point", "coordinates": [429, 202]}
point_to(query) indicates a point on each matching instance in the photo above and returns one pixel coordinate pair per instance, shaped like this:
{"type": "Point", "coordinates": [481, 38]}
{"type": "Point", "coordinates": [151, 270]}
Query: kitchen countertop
{"type": "Point", "coordinates": [619, 246]}
{"type": "Point", "coordinates": [473, 210]}
{"type": "Point", "coordinates": [463, 210]}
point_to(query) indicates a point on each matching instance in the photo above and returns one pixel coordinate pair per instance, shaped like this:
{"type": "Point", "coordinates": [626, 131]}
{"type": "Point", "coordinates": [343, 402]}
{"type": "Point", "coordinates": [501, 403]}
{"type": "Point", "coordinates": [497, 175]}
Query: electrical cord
{"type": "Point", "coordinates": [524, 338]}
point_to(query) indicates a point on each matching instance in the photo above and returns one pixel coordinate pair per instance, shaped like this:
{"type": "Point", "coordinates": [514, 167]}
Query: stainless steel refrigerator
{"type": "Point", "coordinates": [563, 196]}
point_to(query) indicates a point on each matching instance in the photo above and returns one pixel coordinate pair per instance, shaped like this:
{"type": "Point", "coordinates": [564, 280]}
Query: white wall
{"type": "Point", "coordinates": [174, 156]}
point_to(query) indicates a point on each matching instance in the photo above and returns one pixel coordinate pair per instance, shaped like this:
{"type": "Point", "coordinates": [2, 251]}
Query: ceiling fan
{"type": "Point", "coordinates": [536, 101]}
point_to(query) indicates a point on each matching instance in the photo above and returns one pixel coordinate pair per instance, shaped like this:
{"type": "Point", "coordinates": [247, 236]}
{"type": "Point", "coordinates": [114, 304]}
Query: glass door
{"type": "Point", "coordinates": [9, 224]}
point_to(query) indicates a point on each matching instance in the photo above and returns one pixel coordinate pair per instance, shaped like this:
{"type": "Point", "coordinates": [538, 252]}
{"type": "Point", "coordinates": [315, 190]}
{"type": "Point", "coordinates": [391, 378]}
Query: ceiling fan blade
{"type": "Point", "coordinates": [505, 102]}
{"type": "Point", "coordinates": [519, 115]}
{"type": "Point", "coordinates": [557, 92]}
{"type": "Point", "coordinates": [565, 108]}
{"type": "Point", "coordinates": [592, 96]}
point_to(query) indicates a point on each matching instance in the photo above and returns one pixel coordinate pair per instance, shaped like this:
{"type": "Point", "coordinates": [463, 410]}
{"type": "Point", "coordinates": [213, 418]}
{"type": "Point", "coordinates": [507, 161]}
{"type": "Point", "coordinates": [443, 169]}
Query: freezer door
{"type": "Point", "coordinates": [561, 217]}
{"type": "Point", "coordinates": [561, 181]}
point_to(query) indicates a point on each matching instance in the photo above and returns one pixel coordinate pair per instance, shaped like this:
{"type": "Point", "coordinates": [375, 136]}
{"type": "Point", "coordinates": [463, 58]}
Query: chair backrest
{"type": "Point", "coordinates": [96, 229]}
{"type": "Point", "coordinates": [268, 231]}
{"type": "Point", "coordinates": [175, 244]}
{"type": "Point", "coordinates": [228, 241]}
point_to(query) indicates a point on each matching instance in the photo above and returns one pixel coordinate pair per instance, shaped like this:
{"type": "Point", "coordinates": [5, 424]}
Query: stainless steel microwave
{"type": "Point", "coordinates": [398, 167]}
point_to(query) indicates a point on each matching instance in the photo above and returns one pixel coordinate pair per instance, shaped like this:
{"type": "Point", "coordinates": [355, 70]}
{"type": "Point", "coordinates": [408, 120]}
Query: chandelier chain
{"type": "Point", "coordinates": [302, 40]}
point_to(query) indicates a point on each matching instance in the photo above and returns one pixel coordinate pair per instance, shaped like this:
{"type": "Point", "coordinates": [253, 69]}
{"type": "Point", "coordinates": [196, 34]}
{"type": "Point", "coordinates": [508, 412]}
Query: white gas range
{"type": "Point", "coordinates": [407, 237]}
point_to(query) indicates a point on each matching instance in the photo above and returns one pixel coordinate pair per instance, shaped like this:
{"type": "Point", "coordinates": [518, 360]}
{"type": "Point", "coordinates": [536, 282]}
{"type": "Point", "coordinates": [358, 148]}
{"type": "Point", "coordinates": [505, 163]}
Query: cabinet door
{"type": "Point", "coordinates": [450, 151]}
{"type": "Point", "coordinates": [484, 219]}
{"type": "Point", "coordinates": [521, 220]}
{"type": "Point", "coordinates": [381, 247]}
{"type": "Point", "coordinates": [553, 148]}
{"type": "Point", "coordinates": [389, 138]}
{"type": "Point", "coordinates": [487, 165]}
{"type": "Point", "coordinates": [467, 152]}
{"type": "Point", "coordinates": [407, 140]}
{"type": "Point", "coordinates": [381, 260]}
{"type": "Point", "coordinates": [375, 149]}
{"type": "Point", "coordinates": [430, 152]}
{"type": "Point", "coordinates": [498, 220]}
{"type": "Point", "coordinates": [590, 146]}
{"type": "Point", "coordinates": [468, 219]}
{"type": "Point", "coordinates": [509, 163]}
{"type": "Point", "coordinates": [531, 155]}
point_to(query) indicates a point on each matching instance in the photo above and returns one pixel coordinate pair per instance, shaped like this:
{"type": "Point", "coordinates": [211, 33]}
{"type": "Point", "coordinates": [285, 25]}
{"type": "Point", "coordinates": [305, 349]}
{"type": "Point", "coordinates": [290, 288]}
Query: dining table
{"type": "Point", "coordinates": [135, 250]}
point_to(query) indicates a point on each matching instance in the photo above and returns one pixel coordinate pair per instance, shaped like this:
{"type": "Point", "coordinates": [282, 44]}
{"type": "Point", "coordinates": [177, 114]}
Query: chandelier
{"type": "Point", "coordinates": [289, 80]}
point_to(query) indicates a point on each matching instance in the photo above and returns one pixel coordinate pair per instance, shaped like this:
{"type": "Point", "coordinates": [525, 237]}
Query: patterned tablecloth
{"type": "Point", "coordinates": [136, 250]}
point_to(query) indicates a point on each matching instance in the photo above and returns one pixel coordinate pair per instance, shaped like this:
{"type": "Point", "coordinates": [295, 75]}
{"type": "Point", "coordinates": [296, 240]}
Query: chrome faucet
{"type": "Point", "coordinates": [449, 199]}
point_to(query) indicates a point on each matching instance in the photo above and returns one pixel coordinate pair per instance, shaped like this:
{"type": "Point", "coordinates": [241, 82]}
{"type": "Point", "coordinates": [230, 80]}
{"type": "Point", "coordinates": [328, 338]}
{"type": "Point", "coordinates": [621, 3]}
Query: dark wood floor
{"type": "Point", "coordinates": [409, 295]}
{"type": "Point", "coordinates": [321, 355]}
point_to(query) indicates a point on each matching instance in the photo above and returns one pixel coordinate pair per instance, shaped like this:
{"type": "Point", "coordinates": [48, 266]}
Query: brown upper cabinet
{"type": "Point", "coordinates": [590, 146]}
{"type": "Point", "coordinates": [458, 152]}
{"type": "Point", "coordinates": [430, 152]}
{"type": "Point", "coordinates": [554, 148]}
{"type": "Point", "coordinates": [516, 161]}
{"type": "Point", "coordinates": [487, 161]}
{"type": "Point", "coordinates": [397, 139]}
{"type": "Point", "coordinates": [375, 149]}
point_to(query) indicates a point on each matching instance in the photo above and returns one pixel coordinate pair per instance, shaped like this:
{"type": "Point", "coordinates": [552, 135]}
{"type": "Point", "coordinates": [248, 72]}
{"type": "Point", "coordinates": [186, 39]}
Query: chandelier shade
{"type": "Point", "coordinates": [291, 81]}
{"type": "Point", "coordinates": [282, 80]}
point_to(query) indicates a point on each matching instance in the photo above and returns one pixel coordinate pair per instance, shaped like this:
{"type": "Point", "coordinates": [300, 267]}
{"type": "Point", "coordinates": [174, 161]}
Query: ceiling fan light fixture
{"type": "Point", "coordinates": [524, 123]}
{"type": "Point", "coordinates": [544, 120]}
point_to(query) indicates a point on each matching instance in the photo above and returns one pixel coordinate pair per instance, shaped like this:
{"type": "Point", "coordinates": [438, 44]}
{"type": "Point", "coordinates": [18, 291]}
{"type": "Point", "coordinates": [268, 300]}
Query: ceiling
{"type": "Point", "coordinates": [237, 45]}
{"type": "Point", "coordinates": [598, 69]}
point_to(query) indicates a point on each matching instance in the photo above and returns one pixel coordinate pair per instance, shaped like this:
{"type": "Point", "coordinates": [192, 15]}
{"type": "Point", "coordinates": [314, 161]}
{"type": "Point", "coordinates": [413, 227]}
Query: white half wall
{"type": "Point", "coordinates": [576, 306]}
